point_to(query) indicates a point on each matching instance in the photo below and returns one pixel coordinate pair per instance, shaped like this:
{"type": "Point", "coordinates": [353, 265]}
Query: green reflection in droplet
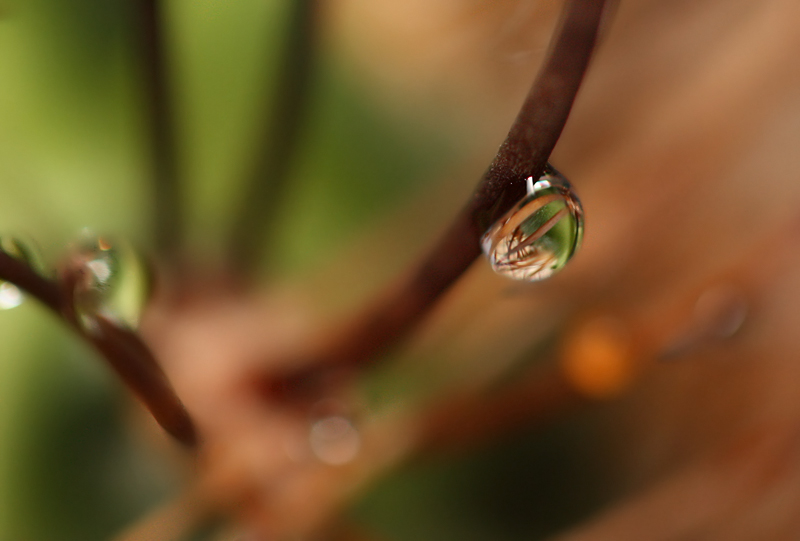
{"type": "Point", "coordinates": [115, 283]}
{"type": "Point", "coordinates": [540, 234]}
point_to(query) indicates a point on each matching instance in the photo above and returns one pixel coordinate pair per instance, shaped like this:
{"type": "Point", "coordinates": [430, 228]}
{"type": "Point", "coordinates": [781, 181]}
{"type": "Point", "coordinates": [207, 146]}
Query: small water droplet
{"type": "Point", "coordinates": [115, 282]}
{"type": "Point", "coordinates": [334, 440]}
{"type": "Point", "coordinates": [10, 296]}
{"type": "Point", "coordinates": [540, 234]}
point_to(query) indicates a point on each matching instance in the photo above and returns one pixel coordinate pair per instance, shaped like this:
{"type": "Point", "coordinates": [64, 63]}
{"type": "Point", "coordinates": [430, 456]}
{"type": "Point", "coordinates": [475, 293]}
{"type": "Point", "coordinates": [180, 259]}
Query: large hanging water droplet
{"type": "Point", "coordinates": [114, 282]}
{"type": "Point", "coordinates": [540, 234]}
{"type": "Point", "coordinates": [25, 251]}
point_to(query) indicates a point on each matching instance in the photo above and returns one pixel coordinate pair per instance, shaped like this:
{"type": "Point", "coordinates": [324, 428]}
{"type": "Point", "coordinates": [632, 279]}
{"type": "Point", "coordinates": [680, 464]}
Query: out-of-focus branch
{"type": "Point", "coordinates": [20, 274]}
{"type": "Point", "coordinates": [523, 154]}
{"type": "Point", "coordinates": [167, 205]}
{"type": "Point", "coordinates": [135, 364]}
{"type": "Point", "coordinates": [277, 141]}
{"type": "Point", "coordinates": [122, 348]}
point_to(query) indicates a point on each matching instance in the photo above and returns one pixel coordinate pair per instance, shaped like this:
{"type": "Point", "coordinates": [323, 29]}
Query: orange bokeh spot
{"type": "Point", "coordinates": [597, 358]}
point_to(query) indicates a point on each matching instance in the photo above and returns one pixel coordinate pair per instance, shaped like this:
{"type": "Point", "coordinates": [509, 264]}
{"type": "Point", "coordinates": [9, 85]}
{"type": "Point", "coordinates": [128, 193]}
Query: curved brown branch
{"type": "Point", "coordinates": [523, 154]}
{"type": "Point", "coordinates": [122, 348]}
{"type": "Point", "coordinates": [137, 367]}
{"type": "Point", "coordinates": [20, 274]}
{"type": "Point", "coordinates": [538, 125]}
{"type": "Point", "coordinates": [267, 177]}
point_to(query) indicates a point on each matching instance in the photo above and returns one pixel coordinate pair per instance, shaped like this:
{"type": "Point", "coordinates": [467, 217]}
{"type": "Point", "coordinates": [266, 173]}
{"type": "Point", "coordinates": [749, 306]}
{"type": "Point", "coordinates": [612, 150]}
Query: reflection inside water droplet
{"type": "Point", "coordinates": [114, 283]}
{"type": "Point", "coordinates": [334, 440]}
{"type": "Point", "coordinates": [540, 234]}
{"type": "Point", "coordinates": [100, 269]}
{"type": "Point", "coordinates": [10, 296]}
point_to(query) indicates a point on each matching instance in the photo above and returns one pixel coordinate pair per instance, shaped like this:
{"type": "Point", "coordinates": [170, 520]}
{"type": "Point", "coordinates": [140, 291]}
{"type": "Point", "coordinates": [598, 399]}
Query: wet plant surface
{"type": "Point", "coordinates": [289, 207]}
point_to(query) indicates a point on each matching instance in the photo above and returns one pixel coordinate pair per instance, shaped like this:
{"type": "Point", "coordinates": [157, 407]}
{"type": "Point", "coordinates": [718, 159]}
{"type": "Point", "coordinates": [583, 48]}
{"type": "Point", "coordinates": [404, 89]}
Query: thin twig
{"type": "Point", "coordinates": [267, 176]}
{"type": "Point", "coordinates": [523, 154]}
{"type": "Point", "coordinates": [137, 367]}
{"type": "Point", "coordinates": [127, 355]}
{"type": "Point", "coordinates": [122, 348]}
{"type": "Point", "coordinates": [20, 274]}
{"type": "Point", "coordinates": [168, 209]}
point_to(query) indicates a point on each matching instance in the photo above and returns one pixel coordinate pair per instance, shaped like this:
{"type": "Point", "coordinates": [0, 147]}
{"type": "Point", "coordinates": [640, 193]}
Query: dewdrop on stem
{"type": "Point", "coordinates": [537, 237]}
{"type": "Point", "coordinates": [114, 283]}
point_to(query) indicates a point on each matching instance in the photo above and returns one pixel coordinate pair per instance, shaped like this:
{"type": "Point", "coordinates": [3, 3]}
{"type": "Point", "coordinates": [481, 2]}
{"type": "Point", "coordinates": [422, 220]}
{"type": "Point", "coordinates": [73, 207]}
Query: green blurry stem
{"type": "Point", "coordinates": [266, 178]}
{"type": "Point", "coordinates": [167, 205]}
{"type": "Point", "coordinates": [524, 154]}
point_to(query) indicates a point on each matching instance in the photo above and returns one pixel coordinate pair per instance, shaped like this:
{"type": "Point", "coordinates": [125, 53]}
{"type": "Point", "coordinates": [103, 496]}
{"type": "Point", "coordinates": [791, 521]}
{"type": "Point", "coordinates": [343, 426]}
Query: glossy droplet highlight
{"type": "Point", "coordinates": [10, 296]}
{"type": "Point", "coordinates": [537, 237]}
{"type": "Point", "coordinates": [113, 283]}
{"type": "Point", "coordinates": [334, 440]}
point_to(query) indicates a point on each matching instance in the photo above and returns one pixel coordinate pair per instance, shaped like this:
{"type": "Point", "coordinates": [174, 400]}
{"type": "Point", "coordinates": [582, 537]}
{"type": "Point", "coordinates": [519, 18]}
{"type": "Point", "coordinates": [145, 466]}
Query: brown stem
{"type": "Point", "coordinates": [523, 154]}
{"type": "Point", "coordinates": [168, 209]}
{"type": "Point", "coordinates": [538, 126]}
{"type": "Point", "coordinates": [20, 274]}
{"type": "Point", "coordinates": [123, 349]}
{"type": "Point", "coordinates": [277, 143]}
{"type": "Point", "coordinates": [128, 356]}
{"type": "Point", "coordinates": [135, 364]}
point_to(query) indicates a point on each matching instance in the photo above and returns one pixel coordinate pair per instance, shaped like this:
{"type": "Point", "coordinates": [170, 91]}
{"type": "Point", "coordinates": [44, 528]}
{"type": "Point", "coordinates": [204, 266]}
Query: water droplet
{"type": "Point", "coordinates": [540, 234]}
{"type": "Point", "coordinates": [115, 282]}
{"type": "Point", "coordinates": [10, 296]}
{"type": "Point", "coordinates": [334, 440]}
